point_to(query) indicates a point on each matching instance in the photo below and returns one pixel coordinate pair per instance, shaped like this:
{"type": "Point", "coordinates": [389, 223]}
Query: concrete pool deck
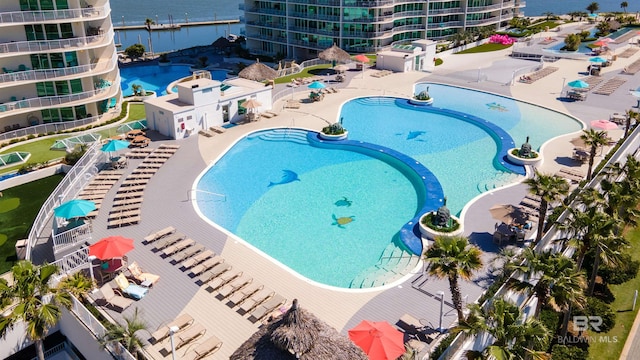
{"type": "Point", "coordinates": [167, 203]}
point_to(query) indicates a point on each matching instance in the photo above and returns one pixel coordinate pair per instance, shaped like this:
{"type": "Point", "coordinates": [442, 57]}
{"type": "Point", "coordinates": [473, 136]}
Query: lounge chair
{"type": "Point", "coordinates": [206, 265]}
{"type": "Point", "coordinates": [169, 240]}
{"type": "Point", "coordinates": [182, 322]}
{"type": "Point", "coordinates": [234, 285]}
{"type": "Point", "coordinates": [213, 273]}
{"type": "Point", "coordinates": [254, 300]}
{"type": "Point", "coordinates": [114, 299]}
{"type": "Point", "coordinates": [184, 337]}
{"type": "Point", "coordinates": [131, 289]}
{"type": "Point", "coordinates": [222, 279]}
{"type": "Point", "coordinates": [266, 307]}
{"type": "Point", "coordinates": [187, 253]}
{"type": "Point", "coordinates": [197, 259]}
{"type": "Point", "coordinates": [142, 276]}
{"type": "Point", "coordinates": [410, 324]}
{"type": "Point", "coordinates": [218, 129]}
{"type": "Point", "coordinates": [168, 251]}
{"type": "Point", "coordinates": [206, 348]}
{"type": "Point", "coordinates": [160, 233]}
{"type": "Point", "coordinates": [243, 294]}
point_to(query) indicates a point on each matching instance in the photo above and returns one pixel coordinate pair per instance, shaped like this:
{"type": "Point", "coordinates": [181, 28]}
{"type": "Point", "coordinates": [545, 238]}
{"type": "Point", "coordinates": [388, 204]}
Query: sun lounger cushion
{"type": "Point", "coordinates": [133, 290]}
{"type": "Point", "coordinates": [139, 275]}
{"type": "Point", "coordinates": [243, 293]}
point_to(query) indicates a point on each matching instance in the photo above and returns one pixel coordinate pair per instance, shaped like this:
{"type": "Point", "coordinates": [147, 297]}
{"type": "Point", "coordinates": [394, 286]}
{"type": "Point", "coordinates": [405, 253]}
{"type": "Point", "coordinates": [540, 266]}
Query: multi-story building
{"type": "Point", "coordinates": [301, 28]}
{"type": "Point", "coordinates": [58, 60]}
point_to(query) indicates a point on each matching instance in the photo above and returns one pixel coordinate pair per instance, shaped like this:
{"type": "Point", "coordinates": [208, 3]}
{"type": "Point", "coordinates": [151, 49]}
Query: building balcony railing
{"type": "Point", "coordinates": [54, 74]}
{"type": "Point", "coordinates": [29, 17]}
{"type": "Point", "coordinates": [372, 19]}
{"type": "Point", "coordinates": [267, 11]}
{"type": "Point", "coordinates": [309, 16]}
{"type": "Point", "coordinates": [491, 20]}
{"type": "Point", "coordinates": [419, 13]}
{"type": "Point", "coordinates": [51, 45]}
{"type": "Point", "coordinates": [306, 30]}
{"type": "Point", "coordinates": [477, 9]}
{"type": "Point", "coordinates": [408, 28]}
{"type": "Point", "coordinates": [269, 25]}
{"type": "Point", "coordinates": [443, 25]}
{"type": "Point", "coordinates": [61, 100]}
{"type": "Point", "coordinates": [268, 38]}
{"type": "Point", "coordinates": [446, 11]}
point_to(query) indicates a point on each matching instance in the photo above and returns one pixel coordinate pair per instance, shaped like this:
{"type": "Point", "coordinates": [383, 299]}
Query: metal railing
{"type": "Point", "coordinates": [71, 237]}
{"type": "Point", "coordinates": [67, 188]}
{"type": "Point", "coordinates": [47, 45]}
{"type": "Point", "coordinates": [47, 128]}
{"type": "Point", "coordinates": [72, 263]}
{"type": "Point", "coordinates": [52, 15]}
{"type": "Point", "coordinates": [47, 74]}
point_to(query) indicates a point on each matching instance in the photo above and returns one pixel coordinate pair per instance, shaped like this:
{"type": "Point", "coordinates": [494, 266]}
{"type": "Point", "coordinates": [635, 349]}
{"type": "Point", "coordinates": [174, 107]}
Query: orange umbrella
{"type": "Point", "coordinates": [378, 339]}
{"type": "Point", "coordinates": [362, 58]}
{"type": "Point", "coordinates": [111, 247]}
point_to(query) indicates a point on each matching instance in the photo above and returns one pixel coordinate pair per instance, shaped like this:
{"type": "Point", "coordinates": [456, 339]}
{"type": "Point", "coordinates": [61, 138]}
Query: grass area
{"type": "Point", "coordinates": [19, 206]}
{"type": "Point", "coordinates": [484, 48]}
{"type": "Point", "coordinates": [307, 72]}
{"type": "Point", "coordinates": [623, 293]}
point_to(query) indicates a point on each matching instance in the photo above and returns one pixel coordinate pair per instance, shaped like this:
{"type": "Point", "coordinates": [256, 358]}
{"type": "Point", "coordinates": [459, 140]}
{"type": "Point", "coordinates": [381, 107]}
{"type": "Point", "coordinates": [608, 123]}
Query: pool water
{"type": "Point", "coordinates": [156, 78]}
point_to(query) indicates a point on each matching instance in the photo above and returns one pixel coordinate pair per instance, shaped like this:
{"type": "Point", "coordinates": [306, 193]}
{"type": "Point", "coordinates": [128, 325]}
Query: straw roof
{"type": "Point", "coordinates": [298, 334]}
{"type": "Point", "coordinates": [258, 72]}
{"type": "Point", "coordinates": [334, 53]}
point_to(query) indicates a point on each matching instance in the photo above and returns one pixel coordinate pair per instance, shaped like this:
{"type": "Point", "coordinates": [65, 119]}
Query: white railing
{"type": "Point", "coordinates": [47, 45]}
{"type": "Point", "coordinates": [71, 237]}
{"type": "Point", "coordinates": [47, 128]}
{"type": "Point", "coordinates": [72, 263]}
{"type": "Point", "coordinates": [67, 188]}
{"type": "Point", "coordinates": [47, 74]}
{"type": "Point", "coordinates": [52, 15]}
{"type": "Point", "coordinates": [52, 101]}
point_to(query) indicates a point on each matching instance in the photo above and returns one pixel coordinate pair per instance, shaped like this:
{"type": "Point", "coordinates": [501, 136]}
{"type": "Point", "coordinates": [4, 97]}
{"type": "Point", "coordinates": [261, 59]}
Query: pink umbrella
{"type": "Point", "coordinates": [603, 124]}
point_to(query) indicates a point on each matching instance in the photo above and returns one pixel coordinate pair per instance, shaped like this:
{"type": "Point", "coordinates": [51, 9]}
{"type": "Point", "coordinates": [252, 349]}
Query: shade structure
{"type": "Point", "coordinates": [74, 208]}
{"type": "Point", "coordinates": [316, 85]}
{"type": "Point", "coordinates": [334, 53]}
{"type": "Point", "coordinates": [111, 247]}
{"type": "Point", "coordinates": [251, 104]}
{"type": "Point", "coordinates": [508, 214]}
{"type": "Point", "coordinates": [114, 145]}
{"type": "Point", "coordinates": [341, 68]}
{"type": "Point", "coordinates": [361, 58]}
{"type": "Point", "coordinates": [578, 84]}
{"type": "Point", "coordinates": [603, 124]}
{"type": "Point", "coordinates": [378, 339]}
{"type": "Point", "coordinates": [578, 142]}
{"type": "Point", "coordinates": [258, 72]}
{"type": "Point", "coordinates": [598, 60]}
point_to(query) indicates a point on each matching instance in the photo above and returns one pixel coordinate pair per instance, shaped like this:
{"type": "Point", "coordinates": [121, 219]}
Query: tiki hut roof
{"type": "Point", "coordinates": [258, 72]}
{"type": "Point", "coordinates": [298, 334]}
{"type": "Point", "coordinates": [334, 53]}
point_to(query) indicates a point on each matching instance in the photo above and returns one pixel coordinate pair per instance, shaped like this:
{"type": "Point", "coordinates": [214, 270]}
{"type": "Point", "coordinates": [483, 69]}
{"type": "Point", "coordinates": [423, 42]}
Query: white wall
{"type": "Point", "coordinates": [16, 340]}
{"type": "Point", "coordinates": [81, 338]}
{"type": "Point", "coordinates": [33, 176]}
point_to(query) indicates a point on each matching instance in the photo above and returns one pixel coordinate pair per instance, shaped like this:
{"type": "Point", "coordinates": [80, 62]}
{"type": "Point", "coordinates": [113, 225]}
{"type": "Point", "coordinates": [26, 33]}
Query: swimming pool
{"type": "Point", "coordinates": [156, 78]}
{"type": "Point", "coordinates": [329, 214]}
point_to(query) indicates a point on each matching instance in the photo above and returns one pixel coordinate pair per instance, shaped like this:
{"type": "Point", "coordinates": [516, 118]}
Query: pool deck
{"type": "Point", "coordinates": [166, 203]}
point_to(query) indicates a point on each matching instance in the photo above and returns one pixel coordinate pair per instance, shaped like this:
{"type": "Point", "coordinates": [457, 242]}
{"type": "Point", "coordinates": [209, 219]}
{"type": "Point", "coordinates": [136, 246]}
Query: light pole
{"type": "Point", "coordinates": [564, 80]}
{"type": "Point", "coordinates": [186, 18]}
{"type": "Point", "coordinates": [91, 258]}
{"type": "Point", "coordinates": [122, 20]}
{"type": "Point", "coordinates": [441, 293]}
{"type": "Point", "coordinates": [173, 330]}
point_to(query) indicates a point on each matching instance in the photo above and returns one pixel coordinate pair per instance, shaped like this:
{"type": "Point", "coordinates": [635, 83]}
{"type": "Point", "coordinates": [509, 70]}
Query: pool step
{"type": "Point", "coordinates": [394, 263]}
{"type": "Point", "coordinates": [375, 101]}
{"type": "Point", "coordinates": [291, 135]}
{"type": "Point", "coordinates": [499, 179]}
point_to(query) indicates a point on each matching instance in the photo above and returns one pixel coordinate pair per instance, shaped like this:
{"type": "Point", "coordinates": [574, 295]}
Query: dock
{"type": "Point", "coordinates": [176, 25]}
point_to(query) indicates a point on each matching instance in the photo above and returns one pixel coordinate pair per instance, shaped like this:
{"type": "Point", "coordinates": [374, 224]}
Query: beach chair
{"type": "Point", "coordinates": [184, 337]}
{"type": "Point", "coordinates": [131, 289]}
{"type": "Point", "coordinates": [168, 241]}
{"type": "Point", "coordinates": [243, 293]}
{"type": "Point", "coordinates": [260, 311]}
{"type": "Point", "coordinates": [234, 285]}
{"type": "Point", "coordinates": [160, 233]}
{"type": "Point", "coordinates": [206, 265]}
{"type": "Point", "coordinates": [254, 300]}
{"type": "Point", "coordinates": [214, 272]}
{"type": "Point", "coordinates": [197, 259]}
{"type": "Point", "coordinates": [113, 299]}
{"type": "Point", "coordinates": [223, 278]}
{"type": "Point", "coordinates": [170, 250]}
{"type": "Point", "coordinates": [187, 253]}
{"type": "Point", "coordinates": [409, 324]}
{"type": "Point", "coordinates": [206, 348]}
{"type": "Point", "coordinates": [181, 322]}
{"type": "Point", "coordinates": [142, 276]}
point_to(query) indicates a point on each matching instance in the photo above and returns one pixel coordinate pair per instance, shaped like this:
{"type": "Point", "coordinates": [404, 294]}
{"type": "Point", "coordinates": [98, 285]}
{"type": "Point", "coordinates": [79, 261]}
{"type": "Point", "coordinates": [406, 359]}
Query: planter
{"type": "Point", "coordinates": [523, 161]}
{"type": "Point", "coordinates": [431, 234]}
{"type": "Point", "coordinates": [328, 137]}
{"type": "Point", "coordinates": [421, 102]}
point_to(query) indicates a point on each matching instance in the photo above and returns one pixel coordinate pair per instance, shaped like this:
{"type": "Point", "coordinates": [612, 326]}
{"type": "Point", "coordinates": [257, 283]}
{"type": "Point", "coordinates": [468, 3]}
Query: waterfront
{"type": "Point", "coordinates": [539, 7]}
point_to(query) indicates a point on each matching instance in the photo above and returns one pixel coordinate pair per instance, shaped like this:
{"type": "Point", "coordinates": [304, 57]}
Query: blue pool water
{"type": "Point", "coordinates": [295, 222]}
{"type": "Point", "coordinates": [156, 78]}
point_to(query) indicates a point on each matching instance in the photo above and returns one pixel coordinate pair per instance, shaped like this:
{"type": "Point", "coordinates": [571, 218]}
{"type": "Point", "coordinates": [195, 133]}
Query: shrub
{"type": "Point", "coordinates": [564, 352]}
{"type": "Point", "coordinates": [516, 152]}
{"type": "Point", "coordinates": [422, 95]}
{"type": "Point", "coordinates": [626, 270]}
{"type": "Point", "coordinates": [438, 62]}
{"type": "Point", "coordinates": [26, 168]}
{"type": "Point", "coordinates": [334, 129]}
{"type": "Point", "coordinates": [135, 50]}
{"type": "Point", "coordinates": [73, 157]}
{"type": "Point", "coordinates": [597, 307]}
{"type": "Point", "coordinates": [428, 222]}
{"type": "Point", "coordinates": [31, 136]}
{"type": "Point", "coordinates": [443, 345]}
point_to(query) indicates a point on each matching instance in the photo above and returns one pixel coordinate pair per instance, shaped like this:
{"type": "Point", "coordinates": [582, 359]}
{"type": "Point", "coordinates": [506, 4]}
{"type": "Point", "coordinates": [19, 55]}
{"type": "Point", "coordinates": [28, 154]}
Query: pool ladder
{"type": "Point", "coordinates": [191, 191]}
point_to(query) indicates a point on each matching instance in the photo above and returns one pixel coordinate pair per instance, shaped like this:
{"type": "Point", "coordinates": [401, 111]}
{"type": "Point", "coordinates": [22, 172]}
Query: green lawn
{"type": "Point", "coordinates": [622, 305]}
{"type": "Point", "coordinates": [19, 206]}
{"type": "Point", "coordinates": [484, 48]}
{"type": "Point", "coordinates": [307, 72]}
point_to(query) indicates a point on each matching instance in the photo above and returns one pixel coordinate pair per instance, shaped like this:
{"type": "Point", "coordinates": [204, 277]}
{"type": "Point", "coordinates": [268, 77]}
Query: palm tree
{"type": "Point", "coordinates": [552, 277]}
{"type": "Point", "coordinates": [624, 5]}
{"type": "Point", "coordinates": [503, 321]}
{"type": "Point", "coordinates": [550, 188]}
{"type": "Point", "coordinates": [78, 285]}
{"type": "Point", "coordinates": [593, 7]}
{"type": "Point", "coordinates": [593, 139]}
{"type": "Point", "coordinates": [125, 334]}
{"type": "Point", "coordinates": [629, 114]}
{"type": "Point", "coordinates": [38, 304]}
{"type": "Point", "coordinates": [148, 26]}
{"type": "Point", "coordinates": [453, 257]}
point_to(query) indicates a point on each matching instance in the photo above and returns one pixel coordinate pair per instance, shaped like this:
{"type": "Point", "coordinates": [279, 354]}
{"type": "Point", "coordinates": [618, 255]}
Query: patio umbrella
{"type": "Point", "coordinates": [341, 68]}
{"type": "Point", "coordinates": [316, 85]}
{"type": "Point", "coordinates": [258, 72]}
{"type": "Point", "coordinates": [578, 84]}
{"type": "Point", "coordinates": [603, 124]}
{"type": "Point", "coordinates": [378, 339]}
{"type": "Point", "coordinates": [361, 58]}
{"type": "Point", "coordinates": [74, 208]}
{"type": "Point", "coordinates": [334, 53]}
{"type": "Point", "coordinates": [578, 142]}
{"type": "Point", "coordinates": [115, 145]}
{"type": "Point", "coordinates": [111, 247]}
{"type": "Point", "coordinates": [508, 214]}
{"type": "Point", "coordinates": [251, 104]}
{"type": "Point", "coordinates": [598, 60]}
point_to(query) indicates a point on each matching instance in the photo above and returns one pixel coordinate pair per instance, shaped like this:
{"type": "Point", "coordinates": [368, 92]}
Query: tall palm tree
{"type": "Point", "coordinates": [126, 334]}
{"type": "Point", "coordinates": [452, 257]}
{"type": "Point", "coordinates": [550, 188]}
{"type": "Point", "coordinates": [511, 336]}
{"type": "Point", "coordinates": [148, 26]}
{"type": "Point", "coordinates": [593, 7]}
{"type": "Point", "coordinates": [629, 114]}
{"type": "Point", "coordinates": [37, 303]}
{"type": "Point", "coordinates": [593, 139]}
{"type": "Point", "coordinates": [624, 5]}
{"type": "Point", "coordinates": [552, 277]}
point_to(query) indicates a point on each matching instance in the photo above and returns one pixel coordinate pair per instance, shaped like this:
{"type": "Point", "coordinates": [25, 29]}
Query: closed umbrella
{"type": "Point", "coordinates": [111, 247]}
{"type": "Point", "coordinates": [378, 339]}
{"type": "Point", "coordinates": [579, 84]}
{"type": "Point", "coordinates": [508, 214]}
{"type": "Point", "coordinates": [316, 85]}
{"type": "Point", "coordinates": [341, 68]}
{"type": "Point", "coordinates": [578, 142]}
{"type": "Point", "coordinates": [74, 208]}
{"type": "Point", "coordinates": [603, 124]}
{"type": "Point", "coordinates": [251, 104]}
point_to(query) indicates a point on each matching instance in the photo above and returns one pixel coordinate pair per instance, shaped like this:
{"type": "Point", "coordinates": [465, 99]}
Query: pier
{"type": "Point", "coordinates": [176, 25]}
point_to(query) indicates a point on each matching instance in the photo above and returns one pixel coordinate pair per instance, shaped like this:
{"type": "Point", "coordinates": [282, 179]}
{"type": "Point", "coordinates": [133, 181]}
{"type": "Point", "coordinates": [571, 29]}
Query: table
{"type": "Point", "coordinates": [146, 283]}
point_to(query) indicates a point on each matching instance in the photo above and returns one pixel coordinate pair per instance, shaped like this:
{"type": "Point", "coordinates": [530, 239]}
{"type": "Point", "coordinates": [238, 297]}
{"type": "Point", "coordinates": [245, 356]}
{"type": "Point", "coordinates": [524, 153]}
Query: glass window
{"type": "Point", "coordinates": [76, 86]}
{"type": "Point", "coordinates": [57, 60]}
{"type": "Point", "coordinates": [26, 5]}
{"type": "Point", "coordinates": [46, 4]}
{"type": "Point", "coordinates": [67, 114]}
{"type": "Point", "coordinates": [81, 112]}
{"type": "Point", "coordinates": [62, 4]}
{"type": "Point", "coordinates": [66, 31]}
{"type": "Point", "coordinates": [30, 32]}
{"type": "Point", "coordinates": [52, 31]}
{"type": "Point", "coordinates": [71, 58]}
{"type": "Point", "coordinates": [62, 88]}
{"type": "Point", "coordinates": [45, 88]}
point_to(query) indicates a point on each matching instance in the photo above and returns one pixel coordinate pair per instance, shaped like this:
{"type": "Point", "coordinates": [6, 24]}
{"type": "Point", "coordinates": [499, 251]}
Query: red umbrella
{"type": "Point", "coordinates": [111, 247]}
{"type": "Point", "coordinates": [378, 339]}
{"type": "Point", "coordinates": [362, 58]}
{"type": "Point", "coordinates": [603, 124]}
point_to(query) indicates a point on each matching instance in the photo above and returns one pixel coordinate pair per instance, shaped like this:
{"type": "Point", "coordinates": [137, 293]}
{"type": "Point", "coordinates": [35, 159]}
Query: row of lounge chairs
{"type": "Point", "coordinates": [96, 189]}
{"type": "Point", "coordinates": [629, 52]}
{"type": "Point", "coordinates": [382, 73]}
{"type": "Point", "coordinates": [610, 86]}
{"type": "Point", "coordinates": [188, 331]}
{"type": "Point", "coordinates": [632, 68]}
{"type": "Point", "coordinates": [539, 74]}
{"type": "Point", "coordinates": [571, 175]}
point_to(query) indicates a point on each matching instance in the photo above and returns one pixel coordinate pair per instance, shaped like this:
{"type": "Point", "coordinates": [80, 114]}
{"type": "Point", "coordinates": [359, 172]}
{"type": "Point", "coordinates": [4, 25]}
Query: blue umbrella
{"type": "Point", "coordinates": [598, 59]}
{"type": "Point", "coordinates": [115, 145]}
{"type": "Point", "coordinates": [578, 84]}
{"type": "Point", "coordinates": [316, 85]}
{"type": "Point", "coordinates": [74, 208]}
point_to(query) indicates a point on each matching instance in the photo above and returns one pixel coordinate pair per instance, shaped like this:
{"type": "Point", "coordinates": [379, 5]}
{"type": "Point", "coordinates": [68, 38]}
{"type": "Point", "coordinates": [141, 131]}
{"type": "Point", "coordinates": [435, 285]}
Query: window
{"type": "Point", "coordinates": [241, 110]}
{"type": "Point", "coordinates": [189, 117]}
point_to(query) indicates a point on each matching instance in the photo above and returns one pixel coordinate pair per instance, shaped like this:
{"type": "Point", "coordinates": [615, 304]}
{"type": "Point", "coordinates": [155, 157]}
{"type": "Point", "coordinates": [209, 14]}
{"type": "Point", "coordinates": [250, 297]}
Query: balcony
{"type": "Point", "coordinates": [276, 12]}
{"type": "Point", "coordinates": [444, 25]}
{"type": "Point", "coordinates": [37, 103]}
{"type": "Point", "coordinates": [35, 46]}
{"type": "Point", "coordinates": [20, 77]}
{"type": "Point", "coordinates": [269, 25]}
{"type": "Point", "coordinates": [414, 27]}
{"type": "Point", "coordinates": [323, 17]}
{"type": "Point", "coordinates": [306, 30]}
{"type": "Point", "coordinates": [488, 21]}
{"type": "Point", "coordinates": [484, 8]}
{"type": "Point", "coordinates": [52, 16]}
{"type": "Point", "coordinates": [446, 11]}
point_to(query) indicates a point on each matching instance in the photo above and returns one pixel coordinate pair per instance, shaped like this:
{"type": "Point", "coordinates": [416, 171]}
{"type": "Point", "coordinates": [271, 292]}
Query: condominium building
{"type": "Point", "coordinates": [58, 60]}
{"type": "Point", "coordinates": [300, 29]}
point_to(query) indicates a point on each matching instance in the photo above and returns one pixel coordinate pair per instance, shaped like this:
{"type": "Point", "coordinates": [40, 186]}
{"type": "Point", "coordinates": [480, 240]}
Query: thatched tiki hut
{"type": "Point", "coordinates": [298, 334]}
{"type": "Point", "coordinates": [335, 54]}
{"type": "Point", "coordinates": [258, 72]}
